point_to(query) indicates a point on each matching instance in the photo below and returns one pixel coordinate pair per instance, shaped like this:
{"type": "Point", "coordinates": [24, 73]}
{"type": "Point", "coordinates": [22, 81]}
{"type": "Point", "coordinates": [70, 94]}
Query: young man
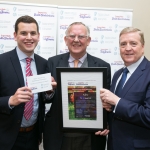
{"type": "Point", "coordinates": [129, 120]}
{"type": "Point", "coordinates": [21, 125]}
{"type": "Point", "coordinates": [77, 39]}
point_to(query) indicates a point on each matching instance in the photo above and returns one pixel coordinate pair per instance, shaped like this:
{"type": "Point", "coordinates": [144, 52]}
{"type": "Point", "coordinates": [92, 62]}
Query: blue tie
{"type": "Point", "coordinates": [121, 82]}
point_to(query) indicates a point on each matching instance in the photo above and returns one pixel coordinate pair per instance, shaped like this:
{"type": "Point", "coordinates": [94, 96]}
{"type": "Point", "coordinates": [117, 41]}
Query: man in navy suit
{"type": "Point", "coordinates": [129, 119]}
{"type": "Point", "coordinates": [16, 131]}
{"type": "Point", "coordinates": [77, 39]}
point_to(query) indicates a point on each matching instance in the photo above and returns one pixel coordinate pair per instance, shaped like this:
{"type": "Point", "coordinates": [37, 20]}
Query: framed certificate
{"type": "Point", "coordinates": [80, 107]}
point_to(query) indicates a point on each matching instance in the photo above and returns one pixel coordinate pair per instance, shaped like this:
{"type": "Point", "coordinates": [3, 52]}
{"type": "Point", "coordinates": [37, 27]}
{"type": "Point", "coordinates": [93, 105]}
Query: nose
{"type": "Point", "coordinates": [28, 36]}
{"type": "Point", "coordinates": [128, 47]}
{"type": "Point", "coordinates": [76, 39]}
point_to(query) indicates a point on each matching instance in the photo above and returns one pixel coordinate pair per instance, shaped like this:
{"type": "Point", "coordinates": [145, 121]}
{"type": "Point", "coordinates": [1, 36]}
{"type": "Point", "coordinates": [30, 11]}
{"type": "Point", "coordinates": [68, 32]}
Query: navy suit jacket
{"type": "Point", "coordinates": [11, 78]}
{"type": "Point", "coordinates": [52, 137]}
{"type": "Point", "coordinates": [130, 124]}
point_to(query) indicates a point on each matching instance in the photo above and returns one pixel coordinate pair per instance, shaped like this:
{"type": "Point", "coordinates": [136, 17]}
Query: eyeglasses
{"type": "Point", "coordinates": [80, 37]}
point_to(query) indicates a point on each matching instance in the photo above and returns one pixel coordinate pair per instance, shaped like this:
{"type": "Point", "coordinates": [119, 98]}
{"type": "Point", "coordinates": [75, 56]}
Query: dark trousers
{"type": "Point", "coordinates": [76, 143]}
{"type": "Point", "coordinates": [27, 141]}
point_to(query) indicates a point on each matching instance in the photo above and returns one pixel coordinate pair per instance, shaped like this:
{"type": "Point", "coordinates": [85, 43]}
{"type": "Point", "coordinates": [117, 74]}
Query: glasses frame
{"type": "Point", "coordinates": [79, 37]}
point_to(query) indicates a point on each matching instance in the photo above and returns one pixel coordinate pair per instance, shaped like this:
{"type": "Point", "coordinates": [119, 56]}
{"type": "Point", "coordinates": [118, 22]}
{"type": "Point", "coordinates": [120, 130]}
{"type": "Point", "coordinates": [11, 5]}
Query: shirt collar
{"type": "Point", "coordinates": [22, 55]}
{"type": "Point", "coordinates": [133, 67]}
{"type": "Point", "coordinates": [71, 59]}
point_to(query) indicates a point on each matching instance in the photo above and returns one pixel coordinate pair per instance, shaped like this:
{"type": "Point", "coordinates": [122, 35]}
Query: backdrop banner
{"type": "Point", "coordinates": [105, 25]}
{"type": "Point", "coordinates": [45, 15]}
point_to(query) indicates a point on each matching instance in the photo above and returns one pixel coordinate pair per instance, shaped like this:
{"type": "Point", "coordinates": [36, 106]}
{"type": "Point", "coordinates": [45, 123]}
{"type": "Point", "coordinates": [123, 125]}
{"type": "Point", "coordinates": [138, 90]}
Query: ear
{"type": "Point", "coordinates": [88, 41]}
{"type": "Point", "coordinates": [38, 36]}
{"type": "Point", "coordinates": [15, 36]}
{"type": "Point", "coordinates": [143, 49]}
{"type": "Point", "coordinates": [65, 39]}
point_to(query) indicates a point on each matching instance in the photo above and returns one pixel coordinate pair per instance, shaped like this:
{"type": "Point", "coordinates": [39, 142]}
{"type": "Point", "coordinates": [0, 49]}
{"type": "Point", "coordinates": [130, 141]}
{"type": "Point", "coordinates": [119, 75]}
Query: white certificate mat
{"type": "Point", "coordinates": [40, 83]}
{"type": "Point", "coordinates": [81, 106]}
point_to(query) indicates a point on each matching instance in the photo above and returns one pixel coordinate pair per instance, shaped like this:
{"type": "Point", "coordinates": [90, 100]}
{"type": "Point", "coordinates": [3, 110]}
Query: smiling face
{"type": "Point", "coordinates": [131, 48]}
{"type": "Point", "coordinates": [77, 46]}
{"type": "Point", "coordinates": [27, 37]}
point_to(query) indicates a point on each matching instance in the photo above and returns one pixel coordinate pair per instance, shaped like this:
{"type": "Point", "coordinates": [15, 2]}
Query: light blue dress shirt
{"type": "Point", "coordinates": [22, 58]}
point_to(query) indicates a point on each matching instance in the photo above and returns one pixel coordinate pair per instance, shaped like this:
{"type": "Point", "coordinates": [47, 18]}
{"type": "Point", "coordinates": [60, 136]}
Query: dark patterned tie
{"type": "Point", "coordinates": [29, 105]}
{"type": "Point", "coordinates": [121, 82]}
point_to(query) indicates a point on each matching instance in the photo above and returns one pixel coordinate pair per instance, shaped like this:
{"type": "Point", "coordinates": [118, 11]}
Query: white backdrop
{"type": "Point", "coordinates": [45, 15]}
{"type": "Point", "coordinates": [105, 25]}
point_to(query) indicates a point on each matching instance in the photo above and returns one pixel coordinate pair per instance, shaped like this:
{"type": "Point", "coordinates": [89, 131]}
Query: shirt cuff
{"type": "Point", "coordinates": [10, 106]}
{"type": "Point", "coordinates": [116, 106]}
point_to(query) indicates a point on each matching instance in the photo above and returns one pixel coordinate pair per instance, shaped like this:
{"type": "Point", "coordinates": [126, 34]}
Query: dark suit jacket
{"type": "Point", "coordinates": [11, 78]}
{"type": "Point", "coordinates": [130, 125]}
{"type": "Point", "coordinates": [52, 136]}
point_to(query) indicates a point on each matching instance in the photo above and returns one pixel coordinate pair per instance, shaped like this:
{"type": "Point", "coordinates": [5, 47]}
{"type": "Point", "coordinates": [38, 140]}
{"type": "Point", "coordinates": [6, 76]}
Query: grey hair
{"type": "Point", "coordinates": [78, 23]}
{"type": "Point", "coordinates": [132, 29]}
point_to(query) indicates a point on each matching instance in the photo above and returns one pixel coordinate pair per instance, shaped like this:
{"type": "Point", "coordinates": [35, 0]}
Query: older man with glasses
{"type": "Point", "coordinates": [77, 39]}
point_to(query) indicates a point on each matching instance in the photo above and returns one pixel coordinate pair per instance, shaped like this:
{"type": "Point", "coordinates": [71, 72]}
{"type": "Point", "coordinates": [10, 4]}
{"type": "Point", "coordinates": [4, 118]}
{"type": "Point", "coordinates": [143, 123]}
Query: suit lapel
{"type": "Point", "coordinates": [91, 61]}
{"type": "Point", "coordinates": [115, 78]}
{"type": "Point", "coordinates": [38, 65]}
{"type": "Point", "coordinates": [135, 76]}
{"type": "Point", "coordinates": [63, 62]}
{"type": "Point", "coordinates": [17, 67]}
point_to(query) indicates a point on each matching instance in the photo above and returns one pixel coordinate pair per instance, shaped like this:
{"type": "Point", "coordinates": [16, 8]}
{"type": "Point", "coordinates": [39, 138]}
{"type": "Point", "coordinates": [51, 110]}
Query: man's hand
{"type": "Point", "coordinates": [108, 97]}
{"type": "Point", "coordinates": [103, 133]}
{"type": "Point", "coordinates": [107, 106]}
{"type": "Point", "coordinates": [53, 82]}
{"type": "Point", "coordinates": [22, 95]}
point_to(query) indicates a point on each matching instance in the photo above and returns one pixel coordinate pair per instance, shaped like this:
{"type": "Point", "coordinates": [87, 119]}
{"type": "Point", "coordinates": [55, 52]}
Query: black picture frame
{"type": "Point", "coordinates": [83, 118]}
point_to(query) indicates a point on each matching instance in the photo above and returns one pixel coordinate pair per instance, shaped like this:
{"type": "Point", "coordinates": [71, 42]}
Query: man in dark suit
{"type": "Point", "coordinates": [129, 120]}
{"type": "Point", "coordinates": [18, 132]}
{"type": "Point", "coordinates": [77, 39]}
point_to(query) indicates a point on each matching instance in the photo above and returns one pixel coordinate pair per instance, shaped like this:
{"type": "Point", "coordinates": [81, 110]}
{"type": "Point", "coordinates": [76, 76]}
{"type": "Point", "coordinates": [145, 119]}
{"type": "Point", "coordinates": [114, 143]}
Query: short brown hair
{"type": "Point", "coordinates": [78, 23]}
{"type": "Point", "coordinates": [25, 19]}
{"type": "Point", "coordinates": [132, 29]}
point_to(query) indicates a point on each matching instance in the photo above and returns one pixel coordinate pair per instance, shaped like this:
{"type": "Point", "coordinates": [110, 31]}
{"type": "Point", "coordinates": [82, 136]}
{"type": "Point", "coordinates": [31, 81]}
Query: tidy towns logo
{"type": "Point", "coordinates": [48, 38]}
{"type": "Point", "coordinates": [105, 50]}
{"type": "Point", "coordinates": [4, 11]}
{"type": "Point", "coordinates": [63, 27]}
{"type": "Point", "coordinates": [84, 16]}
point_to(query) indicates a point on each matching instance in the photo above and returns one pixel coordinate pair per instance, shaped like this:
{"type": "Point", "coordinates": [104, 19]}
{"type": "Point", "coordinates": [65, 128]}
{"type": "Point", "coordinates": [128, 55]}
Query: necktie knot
{"type": "Point", "coordinates": [28, 60]}
{"type": "Point", "coordinates": [76, 61]}
{"type": "Point", "coordinates": [125, 70]}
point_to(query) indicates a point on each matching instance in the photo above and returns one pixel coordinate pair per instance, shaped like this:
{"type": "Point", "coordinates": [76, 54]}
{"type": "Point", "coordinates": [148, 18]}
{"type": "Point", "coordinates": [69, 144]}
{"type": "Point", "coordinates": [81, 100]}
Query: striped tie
{"type": "Point", "coordinates": [29, 105]}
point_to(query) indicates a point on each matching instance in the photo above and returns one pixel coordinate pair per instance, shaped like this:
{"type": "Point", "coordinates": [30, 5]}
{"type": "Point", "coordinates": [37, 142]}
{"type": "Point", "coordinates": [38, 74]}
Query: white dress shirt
{"type": "Point", "coordinates": [131, 69]}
